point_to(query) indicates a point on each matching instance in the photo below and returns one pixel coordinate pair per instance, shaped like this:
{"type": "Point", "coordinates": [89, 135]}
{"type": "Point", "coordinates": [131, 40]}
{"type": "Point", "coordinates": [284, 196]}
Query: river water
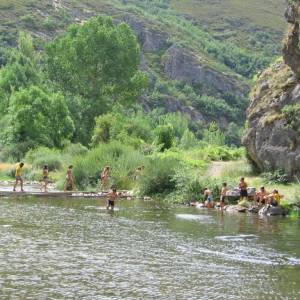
{"type": "Point", "coordinates": [75, 249]}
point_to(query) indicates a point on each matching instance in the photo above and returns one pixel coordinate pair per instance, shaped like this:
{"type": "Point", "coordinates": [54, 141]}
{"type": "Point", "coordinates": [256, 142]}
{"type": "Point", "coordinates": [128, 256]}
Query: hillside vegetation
{"type": "Point", "coordinates": [200, 55]}
{"type": "Point", "coordinates": [149, 85]}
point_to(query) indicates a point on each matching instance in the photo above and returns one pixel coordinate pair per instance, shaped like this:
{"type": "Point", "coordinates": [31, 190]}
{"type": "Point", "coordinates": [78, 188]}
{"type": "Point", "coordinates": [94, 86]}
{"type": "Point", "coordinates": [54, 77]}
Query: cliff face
{"type": "Point", "coordinates": [272, 143]}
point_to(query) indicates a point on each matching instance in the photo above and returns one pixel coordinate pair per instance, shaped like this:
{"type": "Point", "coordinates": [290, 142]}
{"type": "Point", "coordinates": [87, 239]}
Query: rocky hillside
{"type": "Point", "coordinates": [273, 135]}
{"type": "Point", "coordinates": [198, 65]}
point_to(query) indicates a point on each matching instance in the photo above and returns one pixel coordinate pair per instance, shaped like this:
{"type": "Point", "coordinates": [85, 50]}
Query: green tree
{"type": "Point", "coordinates": [233, 135]}
{"type": "Point", "coordinates": [20, 71]}
{"type": "Point", "coordinates": [102, 130]}
{"type": "Point", "coordinates": [99, 61]}
{"type": "Point", "coordinates": [40, 117]}
{"type": "Point", "coordinates": [213, 135]}
{"type": "Point", "coordinates": [165, 136]}
{"type": "Point", "coordinates": [188, 140]}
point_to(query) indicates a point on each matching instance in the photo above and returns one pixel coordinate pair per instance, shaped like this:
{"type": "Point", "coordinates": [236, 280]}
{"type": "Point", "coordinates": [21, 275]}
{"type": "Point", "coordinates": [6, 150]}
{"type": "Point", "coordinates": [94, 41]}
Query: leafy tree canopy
{"type": "Point", "coordinates": [40, 117]}
{"type": "Point", "coordinates": [96, 59]}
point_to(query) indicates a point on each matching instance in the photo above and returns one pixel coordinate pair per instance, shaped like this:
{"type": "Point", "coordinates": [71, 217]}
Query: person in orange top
{"type": "Point", "coordinates": [274, 198]}
{"type": "Point", "coordinates": [18, 176]}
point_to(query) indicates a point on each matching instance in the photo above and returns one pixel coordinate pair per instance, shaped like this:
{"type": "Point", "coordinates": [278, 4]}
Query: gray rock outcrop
{"type": "Point", "coordinates": [181, 64]}
{"type": "Point", "coordinates": [271, 143]}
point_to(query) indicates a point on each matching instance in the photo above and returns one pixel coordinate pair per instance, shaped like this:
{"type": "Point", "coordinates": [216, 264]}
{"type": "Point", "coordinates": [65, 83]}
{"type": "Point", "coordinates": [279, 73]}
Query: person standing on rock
{"type": "Point", "coordinates": [18, 176]}
{"type": "Point", "coordinates": [104, 178]}
{"type": "Point", "coordinates": [208, 198]}
{"type": "Point", "coordinates": [45, 180]}
{"type": "Point", "coordinates": [69, 179]}
{"type": "Point", "coordinates": [243, 189]}
{"type": "Point", "coordinates": [223, 193]}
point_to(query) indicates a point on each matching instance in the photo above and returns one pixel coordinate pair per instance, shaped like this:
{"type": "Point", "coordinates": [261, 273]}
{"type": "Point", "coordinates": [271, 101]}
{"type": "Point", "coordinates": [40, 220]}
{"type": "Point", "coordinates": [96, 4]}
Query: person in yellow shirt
{"type": "Point", "coordinates": [274, 198]}
{"type": "Point", "coordinates": [18, 176]}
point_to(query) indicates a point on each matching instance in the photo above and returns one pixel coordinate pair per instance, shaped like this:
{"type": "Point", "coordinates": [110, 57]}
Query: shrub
{"type": "Point", "coordinates": [292, 115]}
{"type": "Point", "coordinates": [277, 177]}
{"type": "Point", "coordinates": [74, 149]}
{"type": "Point", "coordinates": [165, 136]}
{"type": "Point", "coordinates": [158, 176]}
{"type": "Point", "coordinates": [188, 140]}
{"type": "Point", "coordinates": [49, 24]}
{"type": "Point", "coordinates": [123, 161]}
{"type": "Point", "coordinates": [44, 156]}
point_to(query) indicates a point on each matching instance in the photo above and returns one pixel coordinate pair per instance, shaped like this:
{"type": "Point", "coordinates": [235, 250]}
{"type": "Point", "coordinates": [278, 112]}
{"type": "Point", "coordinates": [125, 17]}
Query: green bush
{"type": "Point", "coordinates": [165, 136]}
{"type": "Point", "coordinates": [50, 24]}
{"type": "Point", "coordinates": [277, 177]}
{"type": "Point", "coordinates": [158, 176]}
{"type": "Point", "coordinates": [292, 115]}
{"type": "Point", "coordinates": [123, 161]}
{"type": "Point", "coordinates": [74, 149]}
{"type": "Point", "coordinates": [42, 156]}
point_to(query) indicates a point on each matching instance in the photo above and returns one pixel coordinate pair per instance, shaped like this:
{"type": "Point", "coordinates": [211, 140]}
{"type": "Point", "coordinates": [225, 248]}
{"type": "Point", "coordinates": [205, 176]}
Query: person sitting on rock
{"type": "Point", "coordinates": [243, 189]}
{"type": "Point", "coordinates": [274, 198]}
{"type": "Point", "coordinates": [208, 198]}
{"type": "Point", "coordinates": [261, 196]}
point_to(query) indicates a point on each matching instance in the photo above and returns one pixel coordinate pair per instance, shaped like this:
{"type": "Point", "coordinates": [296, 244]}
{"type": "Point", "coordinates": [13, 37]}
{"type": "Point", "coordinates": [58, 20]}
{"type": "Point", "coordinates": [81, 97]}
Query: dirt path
{"type": "Point", "coordinates": [216, 168]}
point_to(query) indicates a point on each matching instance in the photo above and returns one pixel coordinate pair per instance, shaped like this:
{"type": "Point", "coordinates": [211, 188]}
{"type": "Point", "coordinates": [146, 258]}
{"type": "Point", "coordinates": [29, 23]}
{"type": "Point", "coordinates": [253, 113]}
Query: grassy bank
{"type": "Point", "coordinates": [241, 168]}
{"type": "Point", "coordinates": [175, 174]}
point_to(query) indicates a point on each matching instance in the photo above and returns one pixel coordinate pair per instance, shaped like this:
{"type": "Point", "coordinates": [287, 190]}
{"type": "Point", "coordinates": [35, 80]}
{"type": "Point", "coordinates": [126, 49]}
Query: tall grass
{"type": "Point", "coordinates": [158, 176]}
{"type": "Point", "coordinates": [42, 156]}
{"type": "Point", "coordinates": [123, 161]}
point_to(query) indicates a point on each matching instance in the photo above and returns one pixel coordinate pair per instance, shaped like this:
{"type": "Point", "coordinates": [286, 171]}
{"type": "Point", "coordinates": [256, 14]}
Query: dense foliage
{"type": "Point", "coordinates": [75, 102]}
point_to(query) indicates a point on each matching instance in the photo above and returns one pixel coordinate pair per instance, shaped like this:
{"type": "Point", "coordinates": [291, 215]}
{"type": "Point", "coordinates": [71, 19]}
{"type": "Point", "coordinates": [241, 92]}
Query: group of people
{"type": "Point", "coordinates": [261, 197]}
{"type": "Point", "coordinates": [70, 183]}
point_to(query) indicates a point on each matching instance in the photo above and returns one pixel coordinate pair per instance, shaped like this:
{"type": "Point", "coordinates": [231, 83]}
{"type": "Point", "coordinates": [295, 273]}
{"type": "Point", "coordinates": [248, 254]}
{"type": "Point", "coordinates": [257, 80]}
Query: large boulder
{"type": "Point", "coordinates": [270, 142]}
{"type": "Point", "coordinates": [269, 210]}
{"type": "Point", "coordinates": [272, 138]}
{"type": "Point", "coordinates": [235, 209]}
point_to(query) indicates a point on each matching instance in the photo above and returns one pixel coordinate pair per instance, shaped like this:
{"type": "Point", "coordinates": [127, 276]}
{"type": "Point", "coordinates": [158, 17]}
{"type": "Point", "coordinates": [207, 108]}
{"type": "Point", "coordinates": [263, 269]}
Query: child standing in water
{"type": "Point", "coordinates": [112, 196]}
{"type": "Point", "coordinates": [223, 195]}
{"type": "Point", "coordinates": [208, 198]}
{"type": "Point", "coordinates": [45, 179]}
{"type": "Point", "coordinates": [69, 179]}
{"type": "Point", "coordinates": [18, 176]}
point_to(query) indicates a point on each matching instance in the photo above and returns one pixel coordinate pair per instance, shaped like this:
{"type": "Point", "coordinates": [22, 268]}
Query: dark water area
{"type": "Point", "coordinates": [75, 249]}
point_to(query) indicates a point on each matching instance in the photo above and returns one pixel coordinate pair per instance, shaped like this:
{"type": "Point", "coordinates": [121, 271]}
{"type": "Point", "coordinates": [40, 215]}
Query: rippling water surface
{"type": "Point", "coordinates": [75, 249]}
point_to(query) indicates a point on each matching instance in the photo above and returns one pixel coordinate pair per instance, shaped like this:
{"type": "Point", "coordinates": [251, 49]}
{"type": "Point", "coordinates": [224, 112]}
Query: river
{"type": "Point", "coordinates": [75, 249]}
